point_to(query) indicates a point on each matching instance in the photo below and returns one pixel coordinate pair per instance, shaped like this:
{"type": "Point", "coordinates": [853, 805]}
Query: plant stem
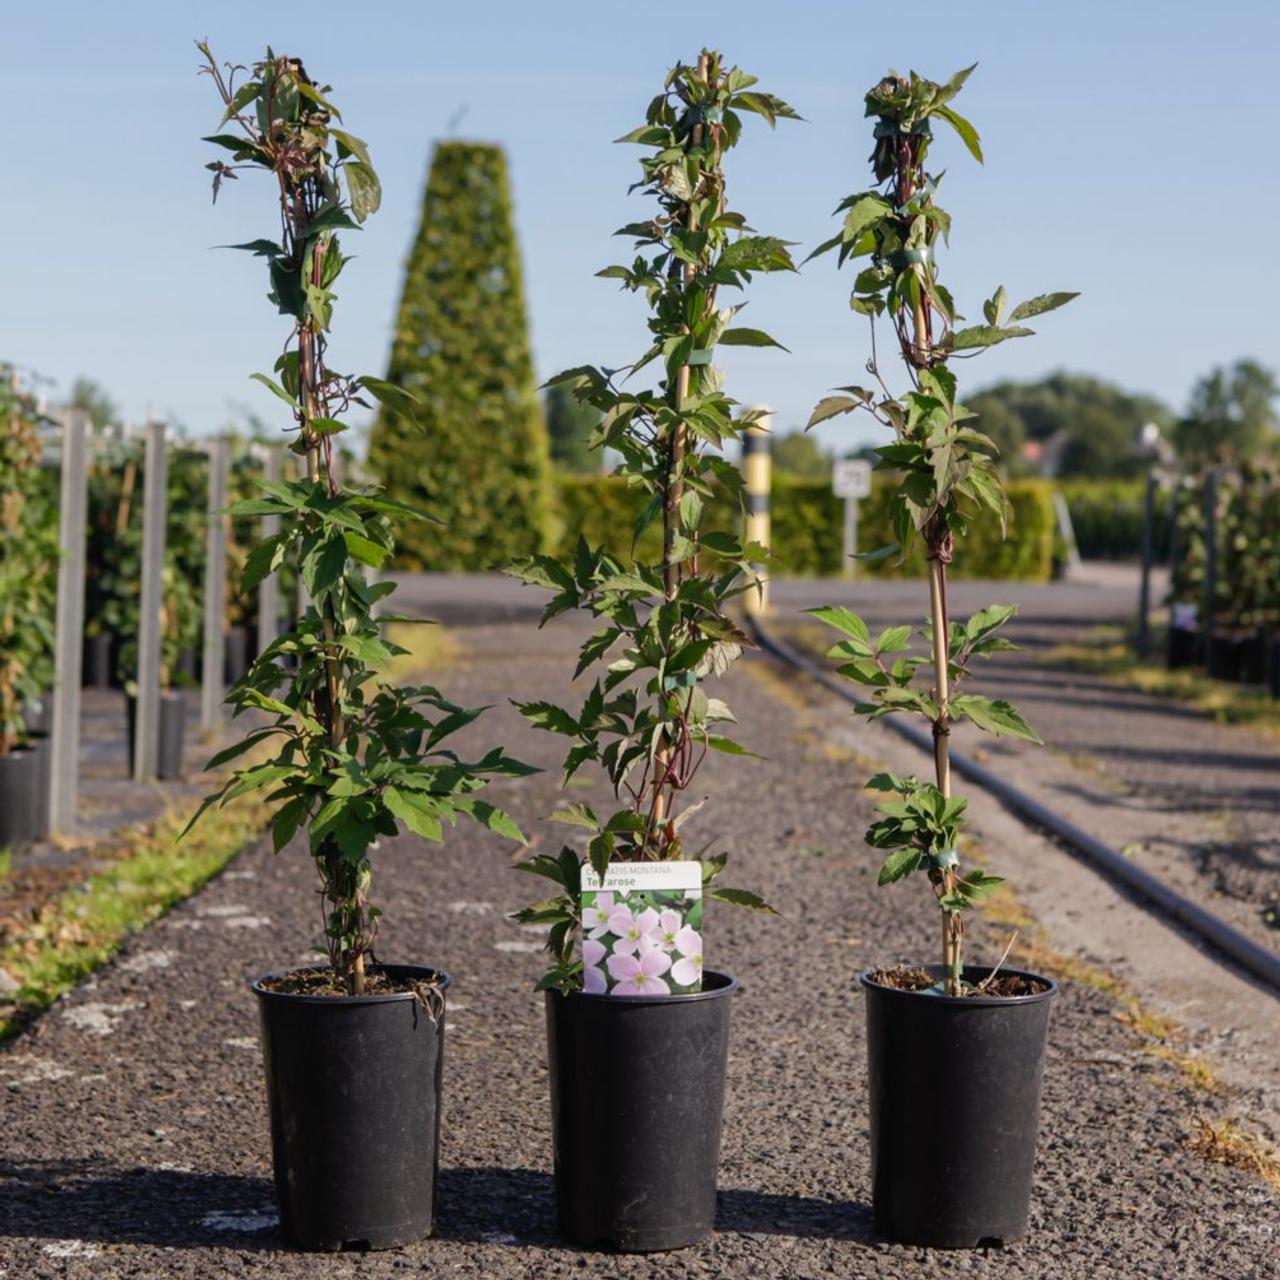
{"type": "Point", "coordinates": [952, 921]}
{"type": "Point", "coordinates": [339, 878]}
{"type": "Point", "coordinates": [939, 540]}
{"type": "Point", "coordinates": [674, 492]}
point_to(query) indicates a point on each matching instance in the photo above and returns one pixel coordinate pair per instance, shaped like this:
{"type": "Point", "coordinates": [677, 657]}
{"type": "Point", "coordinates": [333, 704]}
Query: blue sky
{"type": "Point", "coordinates": [1130, 155]}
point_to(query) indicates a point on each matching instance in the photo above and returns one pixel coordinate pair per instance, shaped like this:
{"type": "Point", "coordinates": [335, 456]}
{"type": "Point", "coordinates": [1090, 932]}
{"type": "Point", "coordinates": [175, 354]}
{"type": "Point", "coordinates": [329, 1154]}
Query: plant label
{"type": "Point", "coordinates": [851, 478]}
{"type": "Point", "coordinates": [642, 929]}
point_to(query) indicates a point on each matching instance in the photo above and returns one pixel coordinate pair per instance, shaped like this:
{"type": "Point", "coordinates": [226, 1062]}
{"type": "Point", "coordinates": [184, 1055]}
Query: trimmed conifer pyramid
{"type": "Point", "coordinates": [478, 456]}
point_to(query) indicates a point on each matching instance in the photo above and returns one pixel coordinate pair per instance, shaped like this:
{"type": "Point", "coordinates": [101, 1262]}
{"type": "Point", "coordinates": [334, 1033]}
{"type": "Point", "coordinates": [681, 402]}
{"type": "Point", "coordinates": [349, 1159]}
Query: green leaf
{"type": "Point", "coordinates": [901, 862]}
{"type": "Point", "coordinates": [978, 885]}
{"type": "Point", "coordinates": [415, 811]}
{"type": "Point", "coordinates": [260, 248]}
{"type": "Point", "coordinates": [242, 97]}
{"type": "Point", "coordinates": [893, 639]}
{"type": "Point", "coordinates": [546, 715]}
{"type": "Point", "coordinates": [832, 406]}
{"type": "Point", "coordinates": [717, 742]}
{"type": "Point", "coordinates": [844, 620]}
{"type": "Point", "coordinates": [993, 715]}
{"type": "Point", "coordinates": [286, 821]}
{"type": "Point", "coordinates": [364, 188]}
{"type": "Point", "coordinates": [491, 817]}
{"type": "Point", "coordinates": [748, 338]}
{"type": "Point", "coordinates": [238, 748]}
{"type": "Point", "coordinates": [394, 397]}
{"type": "Point", "coordinates": [742, 898]}
{"type": "Point", "coordinates": [366, 552]}
{"type": "Point", "coordinates": [1039, 305]}
{"type": "Point", "coordinates": [349, 144]}
{"type": "Point", "coordinates": [577, 815]}
{"type": "Point", "coordinates": [985, 335]}
{"type": "Point", "coordinates": [324, 566]}
{"type": "Point", "coordinates": [276, 388]}
{"type": "Point", "coordinates": [968, 134]}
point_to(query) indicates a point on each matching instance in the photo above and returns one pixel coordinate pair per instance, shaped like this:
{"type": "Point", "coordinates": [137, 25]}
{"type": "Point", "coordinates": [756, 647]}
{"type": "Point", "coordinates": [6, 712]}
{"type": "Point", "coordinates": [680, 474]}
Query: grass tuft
{"type": "Point", "coordinates": [142, 876]}
{"type": "Point", "coordinates": [1220, 700]}
{"type": "Point", "coordinates": [1224, 1142]}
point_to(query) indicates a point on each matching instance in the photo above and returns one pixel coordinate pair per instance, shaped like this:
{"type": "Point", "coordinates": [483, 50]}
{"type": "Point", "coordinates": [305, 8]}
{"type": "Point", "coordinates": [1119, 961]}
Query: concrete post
{"type": "Point", "coordinates": [69, 623]}
{"type": "Point", "coordinates": [146, 741]}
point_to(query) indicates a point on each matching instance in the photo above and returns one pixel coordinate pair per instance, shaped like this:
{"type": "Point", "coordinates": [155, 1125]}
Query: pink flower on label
{"type": "Point", "coordinates": [640, 975]}
{"type": "Point", "coordinates": [669, 924]}
{"type": "Point", "coordinates": [593, 979]}
{"type": "Point", "coordinates": [687, 971]}
{"type": "Point", "coordinates": [595, 919]}
{"type": "Point", "coordinates": [635, 933]}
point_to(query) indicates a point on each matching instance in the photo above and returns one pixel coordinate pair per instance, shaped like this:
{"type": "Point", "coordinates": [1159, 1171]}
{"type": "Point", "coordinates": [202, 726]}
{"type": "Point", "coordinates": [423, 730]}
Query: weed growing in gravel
{"type": "Point", "coordinates": [947, 477]}
{"type": "Point", "coordinates": [663, 631]}
{"type": "Point", "coordinates": [355, 754]}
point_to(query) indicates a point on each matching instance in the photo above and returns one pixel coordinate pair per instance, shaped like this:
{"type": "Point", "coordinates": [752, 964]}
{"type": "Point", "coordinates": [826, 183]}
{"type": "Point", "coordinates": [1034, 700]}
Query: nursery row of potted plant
{"type": "Point", "coordinates": [1242, 640]}
{"type": "Point", "coordinates": [353, 1050]}
{"type": "Point", "coordinates": [27, 568]}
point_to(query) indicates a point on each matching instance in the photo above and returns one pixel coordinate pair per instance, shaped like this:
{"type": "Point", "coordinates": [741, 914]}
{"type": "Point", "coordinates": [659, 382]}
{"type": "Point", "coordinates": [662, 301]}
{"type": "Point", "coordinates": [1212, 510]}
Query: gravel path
{"type": "Point", "coordinates": [135, 1130]}
{"type": "Point", "coordinates": [1194, 802]}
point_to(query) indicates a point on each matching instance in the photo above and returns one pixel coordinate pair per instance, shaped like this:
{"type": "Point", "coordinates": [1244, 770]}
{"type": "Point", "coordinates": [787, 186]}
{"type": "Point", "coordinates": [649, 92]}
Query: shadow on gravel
{"type": "Point", "coordinates": [806, 1218]}
{"type": "Point", "coordinates": [93, 1200]}
{"type": "Point", "coordinates": [517, 1207]}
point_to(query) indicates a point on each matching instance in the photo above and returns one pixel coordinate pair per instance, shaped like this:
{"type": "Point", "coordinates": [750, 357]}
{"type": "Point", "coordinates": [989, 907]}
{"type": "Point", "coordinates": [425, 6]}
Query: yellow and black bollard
{"type": "Point", "coordinates": [757, 467]}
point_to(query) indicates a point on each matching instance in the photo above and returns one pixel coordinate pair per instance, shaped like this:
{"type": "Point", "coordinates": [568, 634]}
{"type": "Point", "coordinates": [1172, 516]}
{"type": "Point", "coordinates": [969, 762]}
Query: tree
{"type": "Point", "coordinates": [1068, 424]}
{"type": "Point", "coordinates": [1232, 412]}
{"type": "Point", "coordinates": [93, 398]}
{"type": "Point", "coordinates": [479, 461]}
{"type": "Point", "coordinates": [569, 426]}
{"type": "Point", "coordinates": [799, 455]}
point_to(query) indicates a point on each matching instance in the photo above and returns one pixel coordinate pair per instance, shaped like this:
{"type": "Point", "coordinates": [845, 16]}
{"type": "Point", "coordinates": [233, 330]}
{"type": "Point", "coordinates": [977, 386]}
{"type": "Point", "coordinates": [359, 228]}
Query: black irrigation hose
{"type": "Point", "coordinates": [1258, 961]}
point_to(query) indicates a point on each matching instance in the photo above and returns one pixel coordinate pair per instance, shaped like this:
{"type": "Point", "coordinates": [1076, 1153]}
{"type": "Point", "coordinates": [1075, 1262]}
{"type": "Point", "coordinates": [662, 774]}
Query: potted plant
{"type": "Point", "coordinates": [179, 612]}
{"type": "Point", "coordinates": [26, 619]}
{"type": "Point", "coordinates": [955, 1050]}
{"type": "Point", "coordinates": [629, 1007]}
{"type": "Point", "coordinates": [352, 1049]}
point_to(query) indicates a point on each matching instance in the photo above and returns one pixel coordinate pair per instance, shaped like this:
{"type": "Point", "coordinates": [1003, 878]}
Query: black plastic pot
{"type": "Point", "coordinates": [98, 671]}
{"type": "Point", "coordinates": [1253, 655]}
{"type": "Point", "coordinates": [187, 667]}
{"type": "Point", "coordinates": [955, 1103]}
{"type": "Point", "coordinates": [20, 818]}
{"type": "Point", "coordinates": [173, 720]}
{"type": "Point", "coordinates": [235, 654]}
{"type": "Point", "coordinates": [38, 715]}
{"type": "Point", "coordinates": [1223, 659]}
{"type": "Point", "coordinates": [1275, 667]}
{"type": "Point", "coordinates": [353, 1088]}
{"type": "Point", "coordinates": [637, 1099]}
{"type": "Point", "coordinates": [39, 743]}
{"type": "Point", "coordinates": [1184, 648]}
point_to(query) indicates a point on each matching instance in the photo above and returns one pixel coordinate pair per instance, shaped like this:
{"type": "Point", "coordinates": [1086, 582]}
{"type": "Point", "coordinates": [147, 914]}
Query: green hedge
{"type": "Point", "coordinates": [1107, 517]}
{"type": "Point", "coordinates": [807, 528]}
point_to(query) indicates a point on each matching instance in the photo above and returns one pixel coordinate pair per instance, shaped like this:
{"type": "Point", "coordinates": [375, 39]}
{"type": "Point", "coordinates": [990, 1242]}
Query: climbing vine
{"type": "Point", "coordinates": [353, 755]}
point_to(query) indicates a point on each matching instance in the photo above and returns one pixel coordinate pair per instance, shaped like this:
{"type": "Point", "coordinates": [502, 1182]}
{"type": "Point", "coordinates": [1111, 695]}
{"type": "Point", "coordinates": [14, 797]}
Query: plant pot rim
{"type": "Point", "coordinates": [25, 747]}
{"type": "Point", "coordinates": [726, 985]}
{"type": "Point", "coordinates": [968, 1002]}
{"type": "Point", "coordinates": [374, 997]}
